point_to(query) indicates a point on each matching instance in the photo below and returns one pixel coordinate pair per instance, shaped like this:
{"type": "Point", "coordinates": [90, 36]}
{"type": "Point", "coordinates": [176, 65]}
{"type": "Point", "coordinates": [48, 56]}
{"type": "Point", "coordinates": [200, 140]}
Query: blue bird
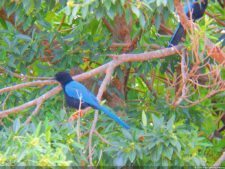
{"type": "Point", "coordinates": [222, 40]}
{"type": "Point", "coordinates": [76, 92]}
{"type": "Point", "coordinates": [196, 11]}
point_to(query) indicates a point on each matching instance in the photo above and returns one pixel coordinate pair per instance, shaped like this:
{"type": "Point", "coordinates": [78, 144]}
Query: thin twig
{"type": "Point", "coordinates": [78, 121]}
{"type": "Point", "coordinates": [61, 23]}
{"type": "Point", "coordinates": [21, 76]}
{"type": "Point", "coordinates": [90, 137]}
{"type": "Point", "coordinates": [38, 106]}
{"type": "Point", "coordinates": [210, 94]}
{"type": "Point", "coordinates": [102, 138]}
{"type": "Point", "coordinates": [184, 80]}
{"type": "Point", "coordinates": [100, 156]}
{"type": "Point", "coordinates": [216, 19]}
{"type": "Point", "coordinates": [6, 98]}
{"type": "Point", "coordinates": [148, 84]}
{"type": "Point", "coordinates": [102, 88]}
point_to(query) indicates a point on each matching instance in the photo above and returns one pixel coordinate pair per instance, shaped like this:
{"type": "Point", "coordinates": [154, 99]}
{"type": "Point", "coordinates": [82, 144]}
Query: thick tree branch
{"type": "Point", "coordinates": [186, 23]}
{"type": "Point", "coordinates": [28, 84]}
{"type": "Point", "coordinates": [31, 103]}
{"type": "Point", "coordinates": [119, 59]}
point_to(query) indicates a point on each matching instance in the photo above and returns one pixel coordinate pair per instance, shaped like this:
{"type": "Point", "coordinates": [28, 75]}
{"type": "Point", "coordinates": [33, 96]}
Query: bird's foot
{"type": "Point", "coordinates": [76, 115]}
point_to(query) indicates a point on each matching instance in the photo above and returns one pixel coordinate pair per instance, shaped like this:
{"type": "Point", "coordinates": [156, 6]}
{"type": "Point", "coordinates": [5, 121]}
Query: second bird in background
{"type": "Point", "coordinates": [193, 10]}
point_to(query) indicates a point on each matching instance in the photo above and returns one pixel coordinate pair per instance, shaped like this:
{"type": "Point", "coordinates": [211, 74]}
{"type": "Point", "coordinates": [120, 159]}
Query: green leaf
{"type": "Point", "coordinates": [128, 15]}
{"type": "Point", "coordinates": [48, 134]}
{"type": "Point", "coordinates": [111, 12]}
{"type": "Point", "coordinates": [164, 2]}
{"type": "Point", "coordinates": [107, 4]}
{"type": "Point", "coordinates": [50, 4]}
{"type": "Point", "coordinates": [132, 156]}
{"type": "Point", "coordinates": [165, 162]}
{"type": "Point", "coordinates": [151, 145]}
{"type": "Point", "coordinates": [168, 152]}
{"type": "Point", "coordinates": [77, 145]}
{"type": "Point", "coordinates": [16, 125]}
{"type": "Point", "coordinates": [127, 134]}
{"type": "Point", "coordinates": [84, 11]}
{"type": "Point", "coordinates": [119, 160]}
{"type": "Point", "coordinates": [11, 62]}
{"type": "Point", "coordinates": [176, 144]}
{"type": "Point", "coordinates": [3, 23]}
{"type": "Point", "coordinates": [122, 2]}
{"type": "Point", "coordinates": [157, 122]}
{"type": "Point", "coordinates": [171, 6]}
{"type": "Point", "coordinates": [38, 129]}
{"type": "Point", "coordinates": [67, 10]}
{"type": "Point", "coordinates": [156, 153]}
{"type": "Point", "coordinates": [44, 24]}
{"type": "Point", "coordinates": [27, 23]}
{"type": "Point", "coordinates": [142, 20]}
{"type": "Point", "coordinates": [99, 13]}
{"type": "Point", "coordinates": [170, 123]}
{"type": "Point", "coordinates": [144, 119]}
{"type": "Point", "coordinates": [160, 2]}
{"type": "Point", "coordinates": [113, 1]}
{"type": "Point", "coordinates": [75, 10]}
{"type": "Point", "coordinates": [28, 6]}
{"type": "Point", "coordinates": [37, 4]}
{"type": "Point", "coordinates": [2, 2]}
{"type": "Point", "coordinates": [24, 37]}
{"type": "Point", "coordinates": [10, 9]}
{"type": "Point", "coordinates": [22, 155]}
{"type": "Point", "coordinates": [135, 10]}
{"type": "Point", "coordinates": [157, 21]}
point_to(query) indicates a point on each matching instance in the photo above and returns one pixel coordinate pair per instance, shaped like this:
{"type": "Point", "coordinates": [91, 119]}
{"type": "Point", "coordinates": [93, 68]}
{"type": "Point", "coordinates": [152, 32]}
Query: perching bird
{"type": "Point", "coordinates": [194, 9]}
{"type": "Point", "coordinates": [76, 92]}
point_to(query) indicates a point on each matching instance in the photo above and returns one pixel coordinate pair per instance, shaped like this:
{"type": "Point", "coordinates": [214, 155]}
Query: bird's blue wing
{"type": "Point", "coordinates": [78, 91]}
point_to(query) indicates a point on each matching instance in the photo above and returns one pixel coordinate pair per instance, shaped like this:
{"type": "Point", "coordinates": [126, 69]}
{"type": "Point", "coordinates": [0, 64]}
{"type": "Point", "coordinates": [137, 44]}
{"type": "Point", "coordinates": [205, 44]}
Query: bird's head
{"type": "Point", "coordinates": [63, 77]}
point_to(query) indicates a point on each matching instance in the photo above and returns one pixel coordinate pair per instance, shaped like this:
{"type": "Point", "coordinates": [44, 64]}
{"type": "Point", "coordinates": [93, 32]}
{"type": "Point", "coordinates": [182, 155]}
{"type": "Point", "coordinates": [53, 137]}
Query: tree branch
{"type": "Point", "coordinates": [102, 88]}
{"type": "Point", "coordinates": [219, 161]}
{"type": "Point", "coordinates": [119, 59]}
{"type": "Point", "coordinates": [28, 84]}
{"type": "Point", "coordinates": [107, 24]}
{"type": "Point", "coordinates": [183, 18]}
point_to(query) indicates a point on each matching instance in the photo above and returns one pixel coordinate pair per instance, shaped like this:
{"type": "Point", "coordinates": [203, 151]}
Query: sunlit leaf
{"type": "Point", "coordinates": [16, 125]}
{"type": "Point", "coordinates": [136, 11]}
{"type": "Point", "coordinates": [144, 119]}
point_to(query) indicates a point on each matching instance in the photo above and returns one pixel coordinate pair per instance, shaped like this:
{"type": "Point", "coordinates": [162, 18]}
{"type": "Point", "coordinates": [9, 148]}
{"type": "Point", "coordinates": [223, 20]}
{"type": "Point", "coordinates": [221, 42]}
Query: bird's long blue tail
{"type": "Point", "coordinates": [176, 38]}
{"type": "Point", "coordinates": [113, 116]}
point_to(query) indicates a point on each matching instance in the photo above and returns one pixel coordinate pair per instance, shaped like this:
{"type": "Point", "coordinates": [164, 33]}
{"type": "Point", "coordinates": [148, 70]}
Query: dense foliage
{"type": "Point", "coordinates": [39, 38]}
